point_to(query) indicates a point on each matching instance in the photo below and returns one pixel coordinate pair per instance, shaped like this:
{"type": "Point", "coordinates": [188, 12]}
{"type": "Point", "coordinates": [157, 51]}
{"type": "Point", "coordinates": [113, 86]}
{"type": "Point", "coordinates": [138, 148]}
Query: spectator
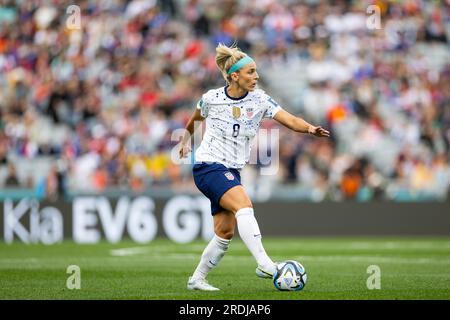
{"type": "Point", "coordinates": [12, 181]}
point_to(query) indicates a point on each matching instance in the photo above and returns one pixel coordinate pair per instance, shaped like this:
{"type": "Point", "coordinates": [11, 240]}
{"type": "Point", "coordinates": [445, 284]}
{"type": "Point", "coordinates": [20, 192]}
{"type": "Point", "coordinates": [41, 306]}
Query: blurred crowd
{"type": "Point", "coordinates": [93, 108]}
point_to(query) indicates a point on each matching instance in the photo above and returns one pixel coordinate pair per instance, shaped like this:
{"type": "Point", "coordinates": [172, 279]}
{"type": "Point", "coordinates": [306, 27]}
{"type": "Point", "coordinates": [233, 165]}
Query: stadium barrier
{"type": "Point", "coordinates": [184, 218]}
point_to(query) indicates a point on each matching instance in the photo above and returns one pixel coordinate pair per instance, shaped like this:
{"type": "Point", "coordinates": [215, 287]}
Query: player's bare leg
{"type": "Point", "coordinates": [224, 224]}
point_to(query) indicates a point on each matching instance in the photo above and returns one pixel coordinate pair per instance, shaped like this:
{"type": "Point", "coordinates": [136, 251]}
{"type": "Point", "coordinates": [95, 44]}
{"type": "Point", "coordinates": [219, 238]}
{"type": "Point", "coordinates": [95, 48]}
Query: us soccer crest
{"type": "Point", "coordinates": [249, 112]}
{"type": "Point", "coordinates": [229, 175]}
{"type": "Point", "coordinates": [236, 112]}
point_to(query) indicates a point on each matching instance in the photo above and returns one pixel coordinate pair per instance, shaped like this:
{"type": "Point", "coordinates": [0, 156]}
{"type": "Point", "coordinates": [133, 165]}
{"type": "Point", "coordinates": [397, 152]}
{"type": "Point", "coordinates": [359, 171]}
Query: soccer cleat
{"type": "Point", "coordinates": [260, 272]}
{"type": "Point", "coordinates": [200, 284]}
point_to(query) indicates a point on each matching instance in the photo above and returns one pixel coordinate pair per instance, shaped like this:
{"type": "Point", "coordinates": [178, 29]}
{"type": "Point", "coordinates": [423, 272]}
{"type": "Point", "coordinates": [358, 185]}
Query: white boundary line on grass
{"type": "Point", "coordinates": [129, 251]}
{"type": "Point", "coordinates": [323, 258]}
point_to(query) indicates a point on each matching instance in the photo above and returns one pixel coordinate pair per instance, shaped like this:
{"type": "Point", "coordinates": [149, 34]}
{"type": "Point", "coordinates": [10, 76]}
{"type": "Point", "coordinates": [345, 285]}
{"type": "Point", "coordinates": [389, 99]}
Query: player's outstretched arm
{"type": "Point", "coordinates": [298, 124]}
{"type": "Point", "coordinates": [185, 147]}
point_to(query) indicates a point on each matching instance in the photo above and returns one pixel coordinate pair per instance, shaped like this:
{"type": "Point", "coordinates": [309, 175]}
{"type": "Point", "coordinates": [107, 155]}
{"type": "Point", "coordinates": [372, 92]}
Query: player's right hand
{"type": "Point", "coordinates": [184, 150]}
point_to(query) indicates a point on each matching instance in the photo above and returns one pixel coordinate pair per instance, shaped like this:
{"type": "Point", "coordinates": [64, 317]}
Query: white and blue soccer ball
{"type": "Point", "coordinates": [290, 275]}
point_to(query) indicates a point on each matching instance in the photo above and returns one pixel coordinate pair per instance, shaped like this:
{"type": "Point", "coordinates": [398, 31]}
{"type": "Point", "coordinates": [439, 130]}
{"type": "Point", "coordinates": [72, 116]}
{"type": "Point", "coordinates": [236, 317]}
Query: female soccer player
{"type": "Point", "coordinates": [233, 115]}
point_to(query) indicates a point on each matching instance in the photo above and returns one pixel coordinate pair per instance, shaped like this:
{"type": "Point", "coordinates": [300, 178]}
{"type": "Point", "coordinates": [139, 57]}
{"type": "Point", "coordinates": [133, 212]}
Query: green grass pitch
{"type": "Point", "coordinates": [411, 268]}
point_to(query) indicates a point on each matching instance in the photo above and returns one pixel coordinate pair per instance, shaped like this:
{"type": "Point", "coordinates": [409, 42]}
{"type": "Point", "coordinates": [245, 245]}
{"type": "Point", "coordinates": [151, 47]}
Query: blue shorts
{"type": "Point", "coordinates": [213, 180]}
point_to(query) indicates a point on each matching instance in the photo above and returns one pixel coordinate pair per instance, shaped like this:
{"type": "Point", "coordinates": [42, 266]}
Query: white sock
{"type": "Point", "coordinates": [250, 234]}
{"type": "Point", "coordinates": [211, 256]}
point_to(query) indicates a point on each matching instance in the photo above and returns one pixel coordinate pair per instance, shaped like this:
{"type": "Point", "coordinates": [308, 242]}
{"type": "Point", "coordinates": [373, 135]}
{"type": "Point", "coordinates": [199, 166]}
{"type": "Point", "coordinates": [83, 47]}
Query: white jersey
{"type": "Point", "coordinates": [231, 125]}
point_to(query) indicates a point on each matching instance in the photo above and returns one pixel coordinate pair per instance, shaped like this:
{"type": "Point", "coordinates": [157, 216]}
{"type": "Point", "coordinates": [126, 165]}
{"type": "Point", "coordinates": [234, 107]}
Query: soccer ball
{"type": "Point", "coordinates": [290, 275]}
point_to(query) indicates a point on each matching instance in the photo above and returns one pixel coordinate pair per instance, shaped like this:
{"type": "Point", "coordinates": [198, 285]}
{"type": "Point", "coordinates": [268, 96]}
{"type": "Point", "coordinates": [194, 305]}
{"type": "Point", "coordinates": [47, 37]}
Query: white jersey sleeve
{"type": "Point", "coordinates": [203, 106]}
{"type": "Point", "coordinates": [271, 106]}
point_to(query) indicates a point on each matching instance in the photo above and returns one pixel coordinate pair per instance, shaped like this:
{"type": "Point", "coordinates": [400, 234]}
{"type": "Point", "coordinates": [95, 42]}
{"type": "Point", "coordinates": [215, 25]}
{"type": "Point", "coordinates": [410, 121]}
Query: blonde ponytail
{"type": "Point", "coordinates": [226, 57]}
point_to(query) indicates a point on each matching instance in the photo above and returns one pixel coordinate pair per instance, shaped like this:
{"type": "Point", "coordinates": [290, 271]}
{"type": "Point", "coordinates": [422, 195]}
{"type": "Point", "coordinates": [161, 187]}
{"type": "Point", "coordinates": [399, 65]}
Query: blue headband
{"type": "Point", "coordinates": [238, 65]}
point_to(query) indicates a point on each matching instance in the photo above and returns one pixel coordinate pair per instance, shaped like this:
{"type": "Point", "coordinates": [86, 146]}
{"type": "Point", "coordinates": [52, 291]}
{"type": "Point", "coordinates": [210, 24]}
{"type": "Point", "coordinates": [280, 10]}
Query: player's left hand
{"type": "Point", "coordinates": [318, 131]}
